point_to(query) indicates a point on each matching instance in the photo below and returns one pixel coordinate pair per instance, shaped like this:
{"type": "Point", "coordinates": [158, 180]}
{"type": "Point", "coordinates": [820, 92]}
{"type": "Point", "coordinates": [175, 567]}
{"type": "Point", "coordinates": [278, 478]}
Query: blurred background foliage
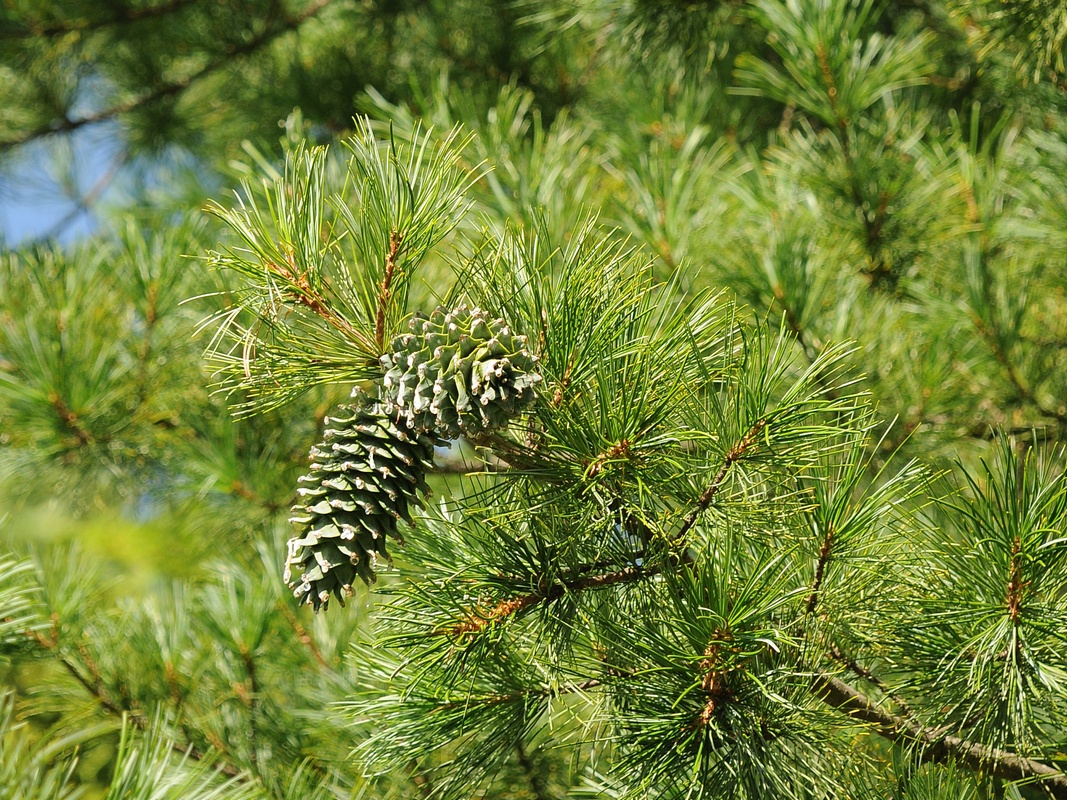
{"type": "Point", "coordinates": [890, 173]}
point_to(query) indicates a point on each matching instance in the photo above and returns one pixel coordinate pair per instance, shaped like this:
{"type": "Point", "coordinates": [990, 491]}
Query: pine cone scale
{"type": "Point", "coordinates": [458, 373]}
{"type": "Point", "coordinates": [365, 476]}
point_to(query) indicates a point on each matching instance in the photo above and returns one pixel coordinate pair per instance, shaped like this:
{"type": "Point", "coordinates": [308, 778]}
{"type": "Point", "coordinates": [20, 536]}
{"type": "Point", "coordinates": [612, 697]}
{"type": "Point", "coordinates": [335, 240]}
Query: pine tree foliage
{"type": "Point", "coordinates": [748, 478]}
{"type": "Point", "coordinates": [317, 306]}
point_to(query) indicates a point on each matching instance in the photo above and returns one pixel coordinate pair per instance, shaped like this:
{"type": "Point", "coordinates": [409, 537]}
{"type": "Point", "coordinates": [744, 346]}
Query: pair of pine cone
{"type": "Point", "coordinates": [457, 373]}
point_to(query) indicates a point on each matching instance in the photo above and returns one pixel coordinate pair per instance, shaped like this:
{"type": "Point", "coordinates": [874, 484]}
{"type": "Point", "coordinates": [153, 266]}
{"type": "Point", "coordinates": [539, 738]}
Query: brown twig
{"type": "Point", "coordinates": [239, 488]}
{"type": "Point", "coordinates": [866, 674]}
{"type": "Point", "coordinates": [620, 451]}
{"type": "Point", "coordinates": [302, 635]}
{"type": "Point", "coordinates": [69, 419]}
{"type": "Point", "coordinates": [820, 569]}
{"type": "Point", "coordinates": [1016, 585]}
{"type": "Point", "coordinates": [713, 683]}
{"type": "Point", "coordinates": [506, 608]}
{"type": "Point", "coordinates": [384, 290]}
{"type": "Point", "coordinates": [564, 383]}
{"type": "Point", "coordinates": [301, 291]}
{"type": "Point", "coordinates": [735, 454]}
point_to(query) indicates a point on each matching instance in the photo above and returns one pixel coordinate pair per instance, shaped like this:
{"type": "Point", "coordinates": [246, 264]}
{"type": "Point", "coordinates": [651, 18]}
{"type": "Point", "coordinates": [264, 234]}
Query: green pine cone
{"type": "Point", "coordinates": [365, 476]}
{"type": "Point", "coordinates": [458, 373]}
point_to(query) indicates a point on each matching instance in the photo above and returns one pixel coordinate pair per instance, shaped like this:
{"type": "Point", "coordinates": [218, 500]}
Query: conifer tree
{"type": "Point", "coordinates": [671, 394]}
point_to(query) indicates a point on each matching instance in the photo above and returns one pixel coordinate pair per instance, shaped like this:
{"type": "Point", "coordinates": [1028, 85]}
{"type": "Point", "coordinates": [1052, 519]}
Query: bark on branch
{"type": "Point", "coordinates": [936, 746]}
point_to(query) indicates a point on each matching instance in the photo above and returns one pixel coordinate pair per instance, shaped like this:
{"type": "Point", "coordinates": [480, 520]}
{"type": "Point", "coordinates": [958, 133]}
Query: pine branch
{"type": "Point", "coordinates": [878, 271]}
{"type": "Point", "coordinates": [125, 16]}
{"type": "Point", "coordinates": [300, 291]}
{"type": "Point", "coordinates": [250, 699]}
{"type": "Point", "coordinates": [67, 125]}
{"type": "Point", "coordinates": [806, 345]}
{"type": "Point", "coordinates": [476, 621]}
{"type": "Point", "coordinates": [542, 692]}
{"type": "Point", "coordinates": [794, 324]}
{"type": "Point", "coordinates": [504, 450]}
{"type": "Point", "coordinates": [866, 674]}
{"type": "Point", "coordinates": [507, 608]}
{"type": "Point", "coordinates": [302, 634]}
{"type": "Point", "coordinates": [935, 746]}
{"type": "Point", "coordinates": [70, 420]}
{"type": "Point", "coordinates": [239, 488]}
{"type": "Point", "coordinates": [84, 204]}
{"type": "Point", "coordinates": [736, 452]}
{"type": "Point", "coordinates": [144, 352]}
{"type": "Point", "coordinates": [94, 686]}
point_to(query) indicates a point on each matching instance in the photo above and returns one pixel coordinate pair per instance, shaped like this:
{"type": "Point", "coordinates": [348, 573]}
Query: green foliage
{"type": "Point", "coordinates": [16, 603]}
{"type": "Point", "coordinates": [831, 66]}
{"type": "Point", "coordinates": [996, 673]}
{"type": "Point", "coordinates": [780, 509]}
{"type": "Point", "coordinates": [327, 268]}
{"type": "Point", "coordinates": [1034, 30]}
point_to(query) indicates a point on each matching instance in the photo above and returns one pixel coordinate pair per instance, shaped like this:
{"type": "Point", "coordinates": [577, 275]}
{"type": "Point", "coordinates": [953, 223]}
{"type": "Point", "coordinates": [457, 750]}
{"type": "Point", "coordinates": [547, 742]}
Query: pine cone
{"type": "Point", "coordinates": [458, 373]}
{"type": "Point", "coordinates": [365, 476]}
